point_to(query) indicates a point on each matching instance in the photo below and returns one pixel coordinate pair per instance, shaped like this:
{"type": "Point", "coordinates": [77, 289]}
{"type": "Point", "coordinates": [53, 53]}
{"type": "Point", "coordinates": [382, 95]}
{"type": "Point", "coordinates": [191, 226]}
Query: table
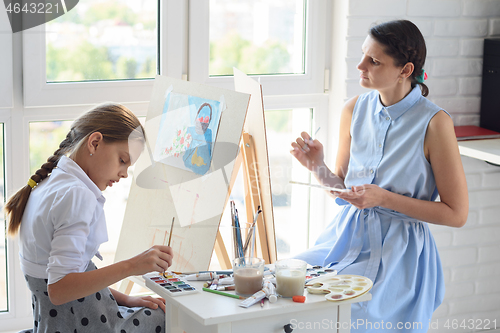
{"type": "Point", "coordinates": [487, 150]}
{"type": "Point", "coordinates": [210, 313]}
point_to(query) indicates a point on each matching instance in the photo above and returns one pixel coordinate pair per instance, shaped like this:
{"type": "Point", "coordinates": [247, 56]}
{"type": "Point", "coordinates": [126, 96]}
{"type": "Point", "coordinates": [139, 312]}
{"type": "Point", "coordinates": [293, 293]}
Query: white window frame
{"type": "Point", "coordinates": [312, 82]}
{"type": "Point", "coordinates": [37, 92]}
{"type": "Point", "coordinates": [319, 103]}
{"type": "Point", "coordinates": [6, 93]}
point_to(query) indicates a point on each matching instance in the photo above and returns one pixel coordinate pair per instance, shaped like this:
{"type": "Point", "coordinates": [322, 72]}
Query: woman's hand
{"type": "Point", "coordinates": [143, 301]}
{"type": "Point", "coordinates": [158, 258]}
{"type": "Point", "coordinates": [308, 152]}
{"type": "Point", "coordinates": [365, 196]}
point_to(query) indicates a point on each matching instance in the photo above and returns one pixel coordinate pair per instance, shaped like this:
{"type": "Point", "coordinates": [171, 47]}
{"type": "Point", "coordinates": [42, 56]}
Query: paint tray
{"type": "Point", "coordinates": [168, 284]}
{"type": "Point", "coordinates": [340, 287]}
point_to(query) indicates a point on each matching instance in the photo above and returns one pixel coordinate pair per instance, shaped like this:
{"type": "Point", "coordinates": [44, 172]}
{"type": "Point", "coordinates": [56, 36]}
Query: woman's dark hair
{"type": "Point", "coordinates": [404, 43]}
{"type": "Point", "coordinates": [114, 121]}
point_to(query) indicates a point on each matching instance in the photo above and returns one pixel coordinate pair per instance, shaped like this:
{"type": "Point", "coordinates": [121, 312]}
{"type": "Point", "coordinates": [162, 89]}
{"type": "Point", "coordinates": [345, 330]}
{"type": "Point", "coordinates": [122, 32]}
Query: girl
{"type": "Point", "coordinates": [397, 150]}
{"type": "Point", "coordinates": [61, 225]}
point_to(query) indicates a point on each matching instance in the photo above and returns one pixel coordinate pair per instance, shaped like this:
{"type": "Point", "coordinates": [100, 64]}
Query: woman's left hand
{"type": "Point", "coordinates": [144, 301]}
{"type": "Point", "coordinates": [365, 196]}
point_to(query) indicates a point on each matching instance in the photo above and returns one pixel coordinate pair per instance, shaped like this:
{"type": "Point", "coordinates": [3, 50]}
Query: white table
{"type": "Point", "coordinates": [487, 150]}
{"type": "Point", "coordinates": [211, 313]}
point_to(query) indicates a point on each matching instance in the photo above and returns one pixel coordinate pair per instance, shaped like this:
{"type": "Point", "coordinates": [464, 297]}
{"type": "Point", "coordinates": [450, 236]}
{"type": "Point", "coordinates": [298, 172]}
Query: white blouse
{"type": "Point", "coordinates": [63, 224]}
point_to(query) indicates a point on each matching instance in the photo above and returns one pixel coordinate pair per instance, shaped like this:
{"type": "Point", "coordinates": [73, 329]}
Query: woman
{"type": "Point", "coordinates": [397, 151]}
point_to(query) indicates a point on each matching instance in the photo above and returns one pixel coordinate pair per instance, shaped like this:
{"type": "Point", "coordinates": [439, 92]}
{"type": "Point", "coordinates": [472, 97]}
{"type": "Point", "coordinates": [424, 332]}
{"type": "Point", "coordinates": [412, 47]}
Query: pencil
{"type": "Point", "coordinates": [223, 293]}
{"type": "Point", "coordinates": [171, 228]}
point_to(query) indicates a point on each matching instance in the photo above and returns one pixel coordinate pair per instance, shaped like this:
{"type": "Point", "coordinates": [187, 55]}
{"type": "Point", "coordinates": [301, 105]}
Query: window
{"type": "Point", "coordinates": [3, 239]}
{"type": "Point", "coordinates": [6, 61]}
{"type": "Point", "coordinates": [94, 43]}
{"type": "Point", "coordinates": [283, 42]}
{"type": "Point", "coordinates": [290, 203]}
{"type": "Point", "coordinates": [103, 40]}
{"type": "Point", "coordinates": [257, 37]}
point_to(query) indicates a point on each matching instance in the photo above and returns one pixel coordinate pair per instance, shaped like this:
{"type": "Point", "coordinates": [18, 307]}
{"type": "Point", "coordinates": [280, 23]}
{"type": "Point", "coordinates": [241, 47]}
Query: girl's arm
{"type": "Point", "coordinates": [312, 156]}
{"type": "Point", "coordinates": [441, 149]}
{"type": "Point", "coordinates": [77, 285]}
{"type": "Point", "coordinates": [139, 301]}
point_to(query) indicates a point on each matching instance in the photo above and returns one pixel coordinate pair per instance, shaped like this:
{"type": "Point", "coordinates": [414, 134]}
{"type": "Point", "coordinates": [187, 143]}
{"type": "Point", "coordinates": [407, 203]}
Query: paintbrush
{"type": "Point", "coordinates": [170, 237]}
{"type": "Point", "coordinates": [171, 228]}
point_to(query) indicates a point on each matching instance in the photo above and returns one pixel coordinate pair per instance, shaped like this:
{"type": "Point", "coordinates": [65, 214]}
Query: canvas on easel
{"type": "Point", "coordinates": [254, 160]}
{"type": "Point", "coordinates": [192, 137]}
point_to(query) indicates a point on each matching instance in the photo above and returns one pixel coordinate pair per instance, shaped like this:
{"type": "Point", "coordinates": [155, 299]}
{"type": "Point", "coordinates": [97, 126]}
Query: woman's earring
{"type": "Point", "coordinates": [90, 154]}
{"type": "Point", "coordinates": [400, 80]}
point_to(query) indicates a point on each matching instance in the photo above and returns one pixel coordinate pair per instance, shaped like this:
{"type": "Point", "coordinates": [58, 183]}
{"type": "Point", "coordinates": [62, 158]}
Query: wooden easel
{"type": "Point", "coordinates": [265, 237]}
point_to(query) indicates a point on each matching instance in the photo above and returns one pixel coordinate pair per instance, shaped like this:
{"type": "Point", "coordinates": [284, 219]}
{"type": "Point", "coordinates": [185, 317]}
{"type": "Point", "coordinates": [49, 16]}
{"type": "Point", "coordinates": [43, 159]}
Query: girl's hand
{"type": "Point", "coordinates": [308, 152]}
{"type": "Point", "coordinates": [158, 258]}
{"type": "Point", "coordinates": [144, 301]}
{"type": "Point", "coordinates": [365, 196]}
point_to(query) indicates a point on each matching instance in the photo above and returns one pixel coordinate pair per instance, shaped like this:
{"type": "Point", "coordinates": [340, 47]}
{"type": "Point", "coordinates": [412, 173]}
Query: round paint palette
{"type": "Point", "coordinates": [340, 287]}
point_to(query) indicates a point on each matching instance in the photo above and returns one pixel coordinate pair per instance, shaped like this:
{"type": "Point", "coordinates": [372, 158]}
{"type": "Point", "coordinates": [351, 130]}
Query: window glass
{"type": "Point", "coordinates": [103, 40]}
{"type": "Point", "coordinates": [290, 202]}
{"type": "Point", "coordinates": [257, 37]}
{"type": "Point", "coordinates": [3, 243]}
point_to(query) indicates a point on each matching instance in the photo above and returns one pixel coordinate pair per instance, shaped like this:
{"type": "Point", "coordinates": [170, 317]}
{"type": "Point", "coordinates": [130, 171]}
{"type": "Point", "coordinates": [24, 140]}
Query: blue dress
{"type": "Point", "coordinates": [395, 251]}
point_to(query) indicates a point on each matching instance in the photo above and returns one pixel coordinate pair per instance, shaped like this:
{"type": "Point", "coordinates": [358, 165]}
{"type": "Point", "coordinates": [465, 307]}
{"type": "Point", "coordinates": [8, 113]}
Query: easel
{"type": "Point", "coordinates": [150, 199]}
{"type": "Point", "coordinates": [265, 240]}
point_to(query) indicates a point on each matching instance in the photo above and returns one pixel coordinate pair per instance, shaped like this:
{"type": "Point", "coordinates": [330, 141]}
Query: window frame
{"type": "Point", "coordinates": [319, 103]}
{"type": "Point", "coordinates": [37, 92]}
{"type": "Point", "coordinates": [6, 72]}
{"type": "Point", "coordinates": [312, 82]}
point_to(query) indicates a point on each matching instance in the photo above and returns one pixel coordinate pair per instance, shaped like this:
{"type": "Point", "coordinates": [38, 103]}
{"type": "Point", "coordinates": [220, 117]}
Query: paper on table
{"type": "Point", "coordinates": [321, 186]}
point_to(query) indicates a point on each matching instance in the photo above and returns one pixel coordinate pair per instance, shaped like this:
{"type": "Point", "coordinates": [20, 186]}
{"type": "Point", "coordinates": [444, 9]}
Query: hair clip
{"type": "Point", "coordinates": [421, 78]}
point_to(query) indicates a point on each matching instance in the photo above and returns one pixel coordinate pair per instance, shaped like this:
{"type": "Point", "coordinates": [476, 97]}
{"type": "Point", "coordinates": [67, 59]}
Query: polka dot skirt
{"type": "Point", "coordinates": [98, 312]}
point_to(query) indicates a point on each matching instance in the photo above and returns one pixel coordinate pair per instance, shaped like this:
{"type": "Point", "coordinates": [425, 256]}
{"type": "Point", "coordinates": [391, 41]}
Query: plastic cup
{"type": "Point", "coordinates": [248, 275]}
{"type": "Point", "coordinates": [290, 277]}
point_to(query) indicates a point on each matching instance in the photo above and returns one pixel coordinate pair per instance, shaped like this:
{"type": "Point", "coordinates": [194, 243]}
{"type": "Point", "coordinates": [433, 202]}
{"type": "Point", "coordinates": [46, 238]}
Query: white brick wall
{"type": "Point", "coordinates": [454, 31]}
{"type": "Point", "coordinates": [471, 254]}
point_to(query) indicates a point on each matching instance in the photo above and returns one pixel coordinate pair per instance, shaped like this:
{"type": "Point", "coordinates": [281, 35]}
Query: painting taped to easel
{"type": "Point", "coordinates": [187, 133]}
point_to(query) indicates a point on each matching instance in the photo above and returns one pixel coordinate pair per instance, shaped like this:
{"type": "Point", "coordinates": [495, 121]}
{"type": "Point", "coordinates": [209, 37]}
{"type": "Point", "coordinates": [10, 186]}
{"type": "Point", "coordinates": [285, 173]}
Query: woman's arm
{"type": "Point", "coordinates": [77, 285]}
{"type": "Point", "coordinates": [441, 150]}
{"type": "Point", "coordinates": [312, 156]}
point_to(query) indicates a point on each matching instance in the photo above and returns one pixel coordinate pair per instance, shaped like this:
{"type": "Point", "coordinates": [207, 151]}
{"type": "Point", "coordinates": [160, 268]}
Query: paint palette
{"type": "Point", "coordinates": [340, 287]}
{"type": "Point", "coordinates": [168, 284]}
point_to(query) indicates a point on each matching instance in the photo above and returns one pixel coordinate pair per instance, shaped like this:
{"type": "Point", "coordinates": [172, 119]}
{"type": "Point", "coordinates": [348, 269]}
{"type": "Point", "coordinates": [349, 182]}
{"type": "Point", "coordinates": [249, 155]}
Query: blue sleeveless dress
{"type": "Point", "coordinates": [395, 251]}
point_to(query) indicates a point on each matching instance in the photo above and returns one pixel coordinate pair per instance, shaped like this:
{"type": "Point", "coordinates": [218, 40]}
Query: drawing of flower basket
{"type": "Point", "coordinates": [181, 142]}
{"type": "Point", "coordinates": [201, 123]}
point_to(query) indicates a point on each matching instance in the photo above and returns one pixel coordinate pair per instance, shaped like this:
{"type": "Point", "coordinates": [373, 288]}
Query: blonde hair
{"type": "Point", "coordinates": [114, 121]}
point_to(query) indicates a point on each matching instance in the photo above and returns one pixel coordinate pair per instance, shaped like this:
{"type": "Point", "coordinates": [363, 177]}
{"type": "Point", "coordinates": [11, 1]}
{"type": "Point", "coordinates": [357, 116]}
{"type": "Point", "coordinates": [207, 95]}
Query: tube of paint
{"type": "Point", "coordinates": [224, 288]}
{"type": "Point", "coordinates": [267, 291]}
{"type": "Point", "coordinates": [226, 281]}
{"type": "Point", "coordinates": [271, 291]}
{"type": "Point", "coordinates": [203, 276]}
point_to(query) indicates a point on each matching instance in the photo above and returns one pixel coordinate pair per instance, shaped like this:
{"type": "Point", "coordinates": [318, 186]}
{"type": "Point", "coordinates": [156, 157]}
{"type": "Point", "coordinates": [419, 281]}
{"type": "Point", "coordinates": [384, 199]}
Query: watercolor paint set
{"type": "Point", "coordinates": [168, 284]}
{"type": "Point", "coordinates": [318, 271]}
{"type": "Point", "coordinates": [340, 287]}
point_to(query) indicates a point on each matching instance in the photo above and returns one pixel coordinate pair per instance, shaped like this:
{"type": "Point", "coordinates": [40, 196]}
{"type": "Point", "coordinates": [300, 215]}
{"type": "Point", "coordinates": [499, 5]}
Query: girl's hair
{"type": "Point", "coordinates": [404, 43]}
{"type": "Point", "coordinates": [114, 121]}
